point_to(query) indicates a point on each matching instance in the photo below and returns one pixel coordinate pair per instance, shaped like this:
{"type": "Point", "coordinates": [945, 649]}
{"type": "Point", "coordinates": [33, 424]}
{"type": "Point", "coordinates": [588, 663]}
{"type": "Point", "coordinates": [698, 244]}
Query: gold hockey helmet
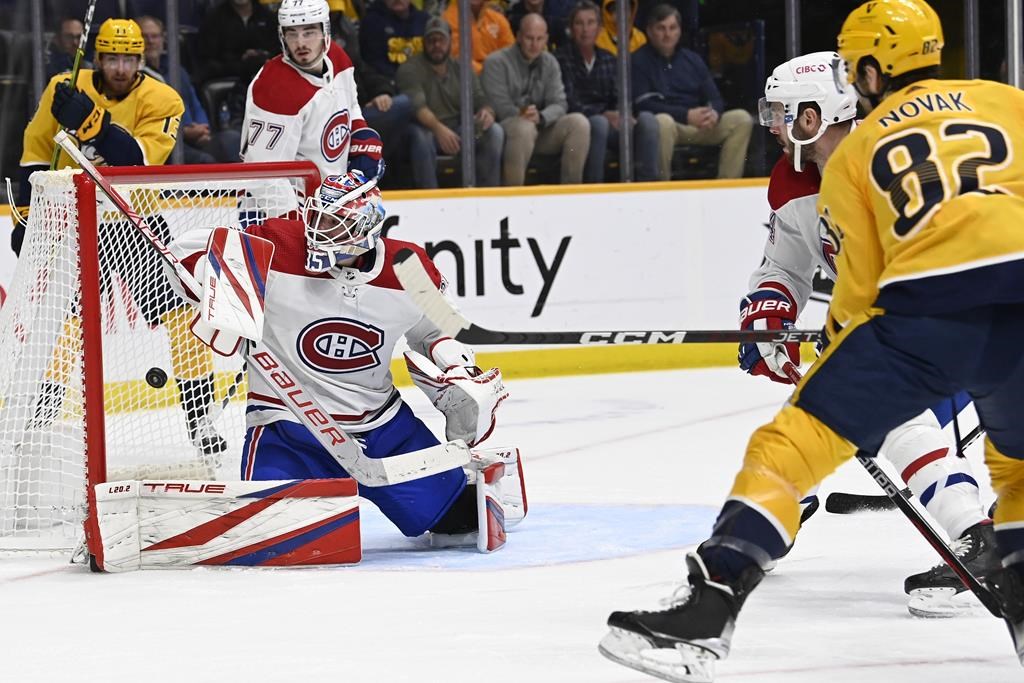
{"type": "Point", "coordinates": [120, 36]}
{"type": "Point", "coordinates": [903, 35]}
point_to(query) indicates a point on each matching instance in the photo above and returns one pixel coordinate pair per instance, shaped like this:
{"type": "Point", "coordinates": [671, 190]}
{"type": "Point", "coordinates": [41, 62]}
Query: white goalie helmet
{"type": "Point", "coordinates": [343, 219]}
{"type": "Point", "coordinates": [303, 13]}
{"type": "Point", "coordinates": [808, 78]}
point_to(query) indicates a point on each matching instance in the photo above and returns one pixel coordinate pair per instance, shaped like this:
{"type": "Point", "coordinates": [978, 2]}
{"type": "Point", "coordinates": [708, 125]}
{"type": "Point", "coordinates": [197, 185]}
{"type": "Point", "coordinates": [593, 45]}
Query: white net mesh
{"type": "Point", "coordinates": [166, 411]}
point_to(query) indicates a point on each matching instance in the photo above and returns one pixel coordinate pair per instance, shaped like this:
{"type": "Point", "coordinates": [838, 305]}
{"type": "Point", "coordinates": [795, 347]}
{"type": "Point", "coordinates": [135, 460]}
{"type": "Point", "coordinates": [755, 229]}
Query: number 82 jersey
{"type": "Point", "coordinates": [926, 200]}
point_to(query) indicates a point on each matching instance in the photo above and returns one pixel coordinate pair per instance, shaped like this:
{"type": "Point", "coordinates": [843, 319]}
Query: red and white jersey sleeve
{"type": "Point", "coordinates": [290, 114]}
{"type": "Point", "coordinates": [336, 331]}
{"type": "Point", "coordinates": [794, 248]}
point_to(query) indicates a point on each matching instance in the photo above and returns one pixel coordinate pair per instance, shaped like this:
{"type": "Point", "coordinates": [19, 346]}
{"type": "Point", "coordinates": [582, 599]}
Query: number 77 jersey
{"type": "Point", "coordinates": [925, 201]}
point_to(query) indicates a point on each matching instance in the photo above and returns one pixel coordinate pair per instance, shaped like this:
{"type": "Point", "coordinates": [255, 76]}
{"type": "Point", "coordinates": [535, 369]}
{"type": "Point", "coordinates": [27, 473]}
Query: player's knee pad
{"type": "Point", "coordinates": [918, 442]}
{"type": "Point", "coordinates": [785, 460]}
{"type": "Point", "coordinates": [1008, 483]}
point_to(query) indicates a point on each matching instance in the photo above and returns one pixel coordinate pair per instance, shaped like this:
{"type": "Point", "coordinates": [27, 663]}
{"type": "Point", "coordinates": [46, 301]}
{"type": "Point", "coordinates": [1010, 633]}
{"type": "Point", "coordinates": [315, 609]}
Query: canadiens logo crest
{"type": "Point", "coordinates": [334, 139]}
{"type": "Point", "coordinates": [340, 345]}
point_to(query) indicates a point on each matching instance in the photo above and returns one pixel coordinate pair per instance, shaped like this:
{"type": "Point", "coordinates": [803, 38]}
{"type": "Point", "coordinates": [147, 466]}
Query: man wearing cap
{"type": "Point", "coordinates": [431, 79]}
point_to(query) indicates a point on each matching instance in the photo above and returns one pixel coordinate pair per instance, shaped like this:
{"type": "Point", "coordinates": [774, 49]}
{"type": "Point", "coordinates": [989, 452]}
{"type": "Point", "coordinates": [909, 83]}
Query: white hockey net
{"type": "Point", "coordinates": [64, 420]}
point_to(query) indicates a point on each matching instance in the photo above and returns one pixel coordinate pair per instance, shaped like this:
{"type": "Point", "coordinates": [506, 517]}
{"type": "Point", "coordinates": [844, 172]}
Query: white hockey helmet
{"type": "Point", "coordinates": [343, 219]}
{"type": "Point", "coordinates": [303, 13]}
{"type": "Point", "coordinates": [808, 78]}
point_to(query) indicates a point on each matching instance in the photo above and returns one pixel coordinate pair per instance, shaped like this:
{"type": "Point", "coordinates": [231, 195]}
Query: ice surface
{"type": "Point", "coordinates": [624, 471]}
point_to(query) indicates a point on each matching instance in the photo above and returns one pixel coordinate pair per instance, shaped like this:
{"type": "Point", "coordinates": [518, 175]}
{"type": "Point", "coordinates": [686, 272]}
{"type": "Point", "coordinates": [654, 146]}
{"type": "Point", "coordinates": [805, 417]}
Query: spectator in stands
{"type": "Point", "coordinates": [384, 110]}
{"type": "Point", "coordinates": [591, 88]}
{"type": "Point", "coordinates": [235, 39]}
{"type": "Point", "coordinates": [432, 81]}
{"type": "Point", "coordinates": [200, 144]}
{"type": "Point", "coordinates": [353, 10]}
{"type": "Point", "coordinates": [491, 31]}
{"type": "Point", "coordinates": [675, 84]}
{"type": "Point", "coordinates": [608, 36]}
{"type": "Point", "coordinates": [524, 84]}
{"type": "Point", "coordinates": [61, 55]}
{"type": "Point", "coordinates": [553, 11]}
{"type": "Point", "coordinates": [390, 33]}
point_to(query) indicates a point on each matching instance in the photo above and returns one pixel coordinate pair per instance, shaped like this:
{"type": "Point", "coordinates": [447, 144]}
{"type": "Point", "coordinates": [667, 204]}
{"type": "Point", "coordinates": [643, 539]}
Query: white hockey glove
{"type": "Point", "coordinates": [465, 395]}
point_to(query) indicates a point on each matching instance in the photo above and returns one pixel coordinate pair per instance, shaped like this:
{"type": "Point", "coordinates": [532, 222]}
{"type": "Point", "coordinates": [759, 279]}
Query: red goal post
{"type": "Point", "coordinates": [99, 378]}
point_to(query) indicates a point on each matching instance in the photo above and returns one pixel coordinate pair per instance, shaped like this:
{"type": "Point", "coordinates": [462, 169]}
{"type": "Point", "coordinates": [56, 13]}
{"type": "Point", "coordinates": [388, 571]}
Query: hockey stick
{"type": "Point", "coordinates": [304, 406]}
{"type": "Point", "coordinates": [83, 43]}
{"type": "Point", "coordinates": [902, 501]}
{"type": "Point", "coordinates": [841, 503]}
{"type": "Point", "coordinates": [438, 309]}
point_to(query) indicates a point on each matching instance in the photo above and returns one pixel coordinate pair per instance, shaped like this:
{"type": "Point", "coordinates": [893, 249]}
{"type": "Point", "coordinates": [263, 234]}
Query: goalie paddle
{"type": "Point", "coordinates": [897, 496]}
{"type": "Point", "coordinates": [303, 405]}
{"type": "Point", "coordinates": [439, 310]}
{"type": "Point", "coordinates": [841, 503]}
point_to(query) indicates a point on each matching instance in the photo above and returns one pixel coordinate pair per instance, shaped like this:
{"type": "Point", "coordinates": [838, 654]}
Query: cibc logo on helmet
{"type": "Point", "coordinates": [334, 139]}
{"type": "Point", "coordinates": [340, 345]}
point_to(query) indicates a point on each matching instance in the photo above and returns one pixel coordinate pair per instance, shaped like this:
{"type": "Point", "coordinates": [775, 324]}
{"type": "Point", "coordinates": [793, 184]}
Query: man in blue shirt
{"type": "Point", "coordinates": [676, 85]}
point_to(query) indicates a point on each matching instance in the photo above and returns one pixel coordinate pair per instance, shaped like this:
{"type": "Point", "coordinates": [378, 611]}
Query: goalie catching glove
{"type": "Point", "coordinates": [465, 395]}
{"type": "Point", "coordinates": [769, 307]}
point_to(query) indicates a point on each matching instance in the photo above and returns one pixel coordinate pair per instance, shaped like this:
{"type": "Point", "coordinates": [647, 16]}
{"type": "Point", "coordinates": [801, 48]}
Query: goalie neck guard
{"type": "Point", "coordinates": [343, 220]}
{"type": "Point", "coordinates": [808, 78]}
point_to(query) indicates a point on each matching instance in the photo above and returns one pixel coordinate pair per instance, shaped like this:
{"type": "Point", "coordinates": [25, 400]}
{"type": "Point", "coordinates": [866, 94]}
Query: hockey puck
{"type": "Point", "coordinates": [156, 378]}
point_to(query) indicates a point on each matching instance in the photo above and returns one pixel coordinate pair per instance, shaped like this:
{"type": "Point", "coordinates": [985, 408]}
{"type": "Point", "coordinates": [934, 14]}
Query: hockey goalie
{"type": "Point", "coordinates": [328, 308]}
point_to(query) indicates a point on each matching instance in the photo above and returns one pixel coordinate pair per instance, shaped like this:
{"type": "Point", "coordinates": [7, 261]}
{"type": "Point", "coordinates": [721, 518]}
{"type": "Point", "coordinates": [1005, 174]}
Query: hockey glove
{"type": "Point", "coordinates": [365, 153]}
{"type": "Point", "coordinates": [467, 397]}
{"type": "Point", "coordinates": [76, 111]}
{"type": "Point", "coordinates": [769, 307]}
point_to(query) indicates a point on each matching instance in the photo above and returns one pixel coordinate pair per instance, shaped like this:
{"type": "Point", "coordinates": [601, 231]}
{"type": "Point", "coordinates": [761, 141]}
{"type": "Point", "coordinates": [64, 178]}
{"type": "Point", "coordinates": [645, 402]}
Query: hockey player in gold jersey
{"type": "Point", "coordinates": [120, 117]}
{"type": "Point", "coordinates": [925, 207]}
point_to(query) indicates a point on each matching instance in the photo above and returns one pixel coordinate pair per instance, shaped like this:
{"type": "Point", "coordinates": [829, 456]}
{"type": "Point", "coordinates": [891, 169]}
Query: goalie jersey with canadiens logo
{"type": "Point", "coordinates": [336, 330]}
{"type": "Point", "coordinates": [926, 201]}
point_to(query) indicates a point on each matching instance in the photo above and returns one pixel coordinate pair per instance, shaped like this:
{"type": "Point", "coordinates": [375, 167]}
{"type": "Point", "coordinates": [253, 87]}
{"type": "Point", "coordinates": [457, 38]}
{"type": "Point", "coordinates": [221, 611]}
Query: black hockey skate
{"type": "Point", "coordinates": [939, 592]}
{"type": "Point", "coordinates": [681, 643]}
{"type": "Point", "coordinates": [1008, 589]}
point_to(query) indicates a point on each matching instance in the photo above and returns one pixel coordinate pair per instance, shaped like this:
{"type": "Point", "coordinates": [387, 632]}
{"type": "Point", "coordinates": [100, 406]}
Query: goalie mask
{"type": "Point", "coordinates": [304, 13]}
{"type": "Point", "coordinates": [809, 78]}
{"type": "Point", "coordinates": [343, 220]}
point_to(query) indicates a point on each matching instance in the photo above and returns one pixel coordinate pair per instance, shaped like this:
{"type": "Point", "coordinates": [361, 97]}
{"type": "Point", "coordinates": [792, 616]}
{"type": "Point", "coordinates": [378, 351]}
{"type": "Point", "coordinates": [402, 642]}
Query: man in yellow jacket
{"type": "Point", "coordinates": [120, 117]}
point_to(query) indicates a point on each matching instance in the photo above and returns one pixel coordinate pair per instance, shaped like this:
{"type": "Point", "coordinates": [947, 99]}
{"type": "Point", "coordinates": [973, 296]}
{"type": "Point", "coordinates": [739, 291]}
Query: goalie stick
{"type": "Point", "coordinates": [841, 503]}
{"type": "Point", "coordinates": [440, 311]}
{"type": "Point", "coordinates": [902, 501]}
{"type": "Point", "coordinates": [305, 407]}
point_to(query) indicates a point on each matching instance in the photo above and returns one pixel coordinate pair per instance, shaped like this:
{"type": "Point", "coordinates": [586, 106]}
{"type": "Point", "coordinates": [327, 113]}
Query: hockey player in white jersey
{"type": "Point", "coordinates": [303, 104]}
{"type": "Point", "coordinates": [334, 313]}
{"type": "Point", "coordinates": [810, 117]}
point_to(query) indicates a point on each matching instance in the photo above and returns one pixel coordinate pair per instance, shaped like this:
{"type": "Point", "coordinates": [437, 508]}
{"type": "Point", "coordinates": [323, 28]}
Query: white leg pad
{"type": "Point", "coordinates": [169, 524]}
